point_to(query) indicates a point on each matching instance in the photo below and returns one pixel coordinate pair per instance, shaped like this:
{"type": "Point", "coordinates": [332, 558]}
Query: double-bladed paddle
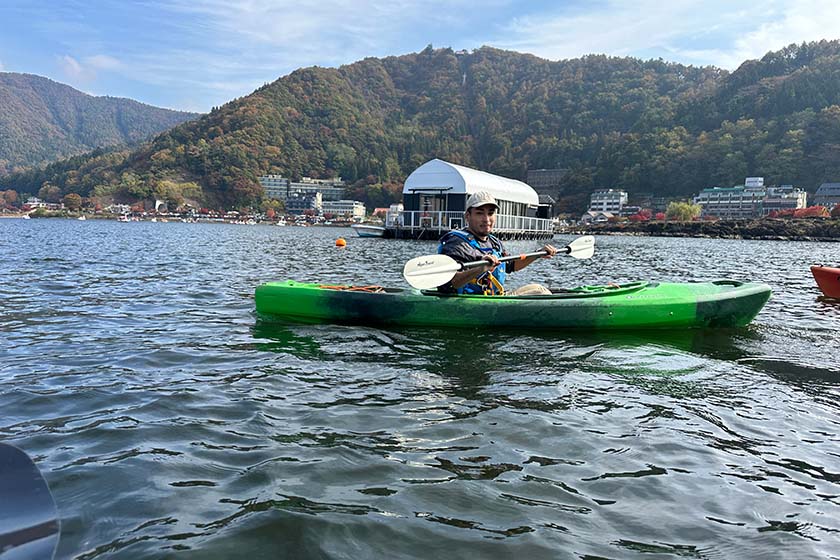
{"type": "Point", "coordinates": [29, 526]}
{"type": "Point", "coordinates": [431, 271]}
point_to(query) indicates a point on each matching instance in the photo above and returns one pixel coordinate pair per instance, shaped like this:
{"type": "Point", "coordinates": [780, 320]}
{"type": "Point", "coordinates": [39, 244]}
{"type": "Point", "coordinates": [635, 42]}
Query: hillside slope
{"type": "Point", "coordinates": [42, 120]}
{"type": "Point", "coordinates": [644, 126]}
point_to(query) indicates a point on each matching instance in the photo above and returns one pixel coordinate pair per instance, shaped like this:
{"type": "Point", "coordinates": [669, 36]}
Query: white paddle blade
{"type": "Point", "coordinates": [430, 271]}
{"type": "Point", "coordinates": [582, 247]}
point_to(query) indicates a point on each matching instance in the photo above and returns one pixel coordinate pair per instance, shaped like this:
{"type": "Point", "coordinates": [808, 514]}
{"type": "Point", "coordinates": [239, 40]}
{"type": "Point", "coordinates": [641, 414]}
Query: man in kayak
{"type": "Point", "coordinates": [476, 242]}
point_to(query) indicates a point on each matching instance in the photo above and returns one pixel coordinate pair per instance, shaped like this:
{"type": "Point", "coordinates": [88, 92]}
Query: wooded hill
{"type": "Point", "coordinates": [42, 121]}
{"type": "Point", "coordinates": [643, 126]}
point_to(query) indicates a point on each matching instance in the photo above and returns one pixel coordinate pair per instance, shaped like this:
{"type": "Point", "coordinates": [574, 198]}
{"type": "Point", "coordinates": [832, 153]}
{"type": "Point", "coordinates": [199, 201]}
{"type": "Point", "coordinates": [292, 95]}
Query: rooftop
{"type": "Point", "coordinates": [438, 176]}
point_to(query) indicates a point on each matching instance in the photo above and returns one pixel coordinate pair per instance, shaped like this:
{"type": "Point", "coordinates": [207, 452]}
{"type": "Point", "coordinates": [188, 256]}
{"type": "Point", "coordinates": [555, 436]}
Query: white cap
{"type": "Point", "coordinates": [481, 198]}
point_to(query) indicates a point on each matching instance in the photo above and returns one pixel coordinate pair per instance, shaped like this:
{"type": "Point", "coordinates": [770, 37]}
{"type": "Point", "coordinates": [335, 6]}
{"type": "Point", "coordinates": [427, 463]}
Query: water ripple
{"type": "Point", "coordinates": [169, 422]}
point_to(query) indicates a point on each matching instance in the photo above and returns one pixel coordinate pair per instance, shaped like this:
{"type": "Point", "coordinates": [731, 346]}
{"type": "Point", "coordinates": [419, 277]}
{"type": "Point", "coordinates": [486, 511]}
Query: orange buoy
{"type": "Point", "coordinates": [340, 242]}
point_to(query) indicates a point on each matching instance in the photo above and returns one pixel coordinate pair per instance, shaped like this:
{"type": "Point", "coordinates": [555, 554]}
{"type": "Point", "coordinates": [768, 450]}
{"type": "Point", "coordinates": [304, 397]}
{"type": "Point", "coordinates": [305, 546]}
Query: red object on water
{"type": "Point", "coordinates": [828, 279]}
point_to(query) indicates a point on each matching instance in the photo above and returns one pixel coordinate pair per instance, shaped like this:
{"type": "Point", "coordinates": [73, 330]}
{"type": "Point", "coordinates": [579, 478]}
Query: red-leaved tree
{"type": "Point", "coordinates": [811, 212]}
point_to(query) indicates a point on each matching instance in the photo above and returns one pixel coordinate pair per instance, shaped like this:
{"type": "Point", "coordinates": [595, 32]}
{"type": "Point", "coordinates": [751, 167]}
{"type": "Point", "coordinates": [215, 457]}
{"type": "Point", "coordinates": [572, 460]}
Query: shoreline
{"type": "Point", "coordinates": [767, 229]}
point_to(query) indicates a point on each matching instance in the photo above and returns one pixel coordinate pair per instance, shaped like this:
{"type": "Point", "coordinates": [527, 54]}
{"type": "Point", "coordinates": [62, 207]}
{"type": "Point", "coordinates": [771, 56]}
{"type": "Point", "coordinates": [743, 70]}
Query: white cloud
{"type": "Point", "coordinates": [103, 62]}
{"type": "Point", "coordinates": [796, 22]}
{"type": "Point", "coordinates": [718, 32]}
{"type": "Point", "coordinates": [71, 68]}
{"type": "Point", "coordinates": [273, 33]}
{"type": "Point", "coordinates": [216, 50]}
{"type": "Point", "coordinates": [228, 49]}
{"type": "Point", "coordinates": [87, 70]}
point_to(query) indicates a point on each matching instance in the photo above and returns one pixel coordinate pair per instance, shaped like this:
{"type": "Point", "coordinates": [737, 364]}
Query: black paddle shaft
{"type": "Point", "coordinates": [482, 262]}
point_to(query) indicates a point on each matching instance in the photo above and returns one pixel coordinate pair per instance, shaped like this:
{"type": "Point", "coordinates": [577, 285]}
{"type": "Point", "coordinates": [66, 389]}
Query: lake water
{"type": "Point", "coordinates": [169, 423]}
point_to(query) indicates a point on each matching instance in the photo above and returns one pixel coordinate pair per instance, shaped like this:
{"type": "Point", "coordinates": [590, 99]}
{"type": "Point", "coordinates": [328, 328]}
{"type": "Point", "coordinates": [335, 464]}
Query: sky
{"type": "Point", "coordinates": [193, 55]}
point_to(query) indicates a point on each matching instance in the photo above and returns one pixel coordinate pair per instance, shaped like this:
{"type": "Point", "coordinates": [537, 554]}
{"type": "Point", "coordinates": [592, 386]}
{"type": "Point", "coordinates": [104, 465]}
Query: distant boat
{"type": "Point", "coordinates": [26, 217]}
{"type": "Point", "coordinates": [82, 217]}
{"type": "Point", "coordinates": [123, 218]}
{"type": "Point", "coordinates": [368, 230]}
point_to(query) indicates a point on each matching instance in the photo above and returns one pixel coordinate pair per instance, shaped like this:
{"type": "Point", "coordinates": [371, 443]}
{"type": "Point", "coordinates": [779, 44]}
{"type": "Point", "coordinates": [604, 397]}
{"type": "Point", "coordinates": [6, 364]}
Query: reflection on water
{"type": "Point", "coordinates": [168, 421]}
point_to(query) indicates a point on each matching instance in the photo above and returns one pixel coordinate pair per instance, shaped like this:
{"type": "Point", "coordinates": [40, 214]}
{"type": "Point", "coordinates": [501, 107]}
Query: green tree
{"type": "Point", "coordinates": [682, 211]}
{"type": "Point", "coordinates": [276, 206]}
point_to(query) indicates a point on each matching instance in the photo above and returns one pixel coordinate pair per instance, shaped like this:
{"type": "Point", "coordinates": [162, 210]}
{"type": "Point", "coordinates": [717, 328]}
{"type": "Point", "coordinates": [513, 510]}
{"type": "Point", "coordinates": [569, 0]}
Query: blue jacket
{"type": "Point", "coordinates": [482, 284]}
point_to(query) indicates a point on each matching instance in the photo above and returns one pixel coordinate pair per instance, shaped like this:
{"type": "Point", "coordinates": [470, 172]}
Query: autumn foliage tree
{"type": "Point", "coordinates": [72, 201]}
{"type": "Point", "coordinates": [9, 198]}
{"type": "Point", "coordinates": [811, 212]}
{"type": "Point", "coordinates": [49, 192]}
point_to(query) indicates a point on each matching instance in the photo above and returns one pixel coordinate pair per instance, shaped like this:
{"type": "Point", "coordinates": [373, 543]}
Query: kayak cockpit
{"type": "Point", "coordinates": [561, 293]}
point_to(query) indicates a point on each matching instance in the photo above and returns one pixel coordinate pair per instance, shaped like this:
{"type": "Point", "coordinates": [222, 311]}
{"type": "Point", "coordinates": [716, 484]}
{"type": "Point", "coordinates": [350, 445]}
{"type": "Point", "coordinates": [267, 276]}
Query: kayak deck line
{"type": "Point", "coordinates": [369, 289]}
{"type": "Point", "coordinates": [634, 305]}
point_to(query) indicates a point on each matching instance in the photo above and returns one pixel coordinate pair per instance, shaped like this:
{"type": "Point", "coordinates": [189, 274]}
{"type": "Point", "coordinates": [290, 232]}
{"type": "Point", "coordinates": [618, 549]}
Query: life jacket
{"type": "Point", "coordinates": [489, 284]}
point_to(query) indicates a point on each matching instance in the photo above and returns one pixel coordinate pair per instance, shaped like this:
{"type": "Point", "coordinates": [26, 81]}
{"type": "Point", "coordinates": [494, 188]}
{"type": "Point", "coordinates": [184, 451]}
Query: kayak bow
{"type": "Point", "coordinates": [828, 280]}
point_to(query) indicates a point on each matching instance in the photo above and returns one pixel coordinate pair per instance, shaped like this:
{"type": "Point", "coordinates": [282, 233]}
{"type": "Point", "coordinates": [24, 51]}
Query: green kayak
{"type": "Point", "coordinates": [637, 305]}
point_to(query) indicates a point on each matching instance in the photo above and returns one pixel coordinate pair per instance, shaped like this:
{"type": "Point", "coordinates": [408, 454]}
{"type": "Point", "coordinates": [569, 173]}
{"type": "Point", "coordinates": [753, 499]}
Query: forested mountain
{"type": "Point", "coordinates": [42, 120]}
{"type": "Point", "coordinates": [644, 126]}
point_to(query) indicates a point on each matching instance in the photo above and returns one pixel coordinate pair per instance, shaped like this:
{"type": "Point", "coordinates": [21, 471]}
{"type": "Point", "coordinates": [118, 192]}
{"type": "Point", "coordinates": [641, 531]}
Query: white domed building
{"type": "Point", "coordinates": [435, 194]}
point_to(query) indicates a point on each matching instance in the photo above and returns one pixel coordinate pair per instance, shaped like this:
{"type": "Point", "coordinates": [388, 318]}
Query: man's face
{"type": "Point", "coordinates": [480, 220]}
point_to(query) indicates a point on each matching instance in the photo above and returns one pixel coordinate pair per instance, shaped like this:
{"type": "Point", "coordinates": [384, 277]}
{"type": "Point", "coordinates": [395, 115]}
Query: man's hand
{"type": "Point", "coordinates": [551, 250]}
{"type": "Point", "coordinates": [492, 262]}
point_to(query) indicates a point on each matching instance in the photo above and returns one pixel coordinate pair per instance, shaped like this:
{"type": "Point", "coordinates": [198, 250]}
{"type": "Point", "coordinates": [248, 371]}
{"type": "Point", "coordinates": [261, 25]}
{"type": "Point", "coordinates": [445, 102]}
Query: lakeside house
{"type": "Point", "coordinates": [751, 200]}
{"type": "Point", "coordinates": [435, 195]}
{"type": "Point", "coordinates": [33, 203]}
{"type": "Point", "coordinates": [596, 217]}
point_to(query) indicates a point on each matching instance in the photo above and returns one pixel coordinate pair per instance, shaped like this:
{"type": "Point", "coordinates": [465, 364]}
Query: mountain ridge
{"type": "Point", "coordinates": [42, 120]}
{"type": "Point", "coordinates": [641, 125]}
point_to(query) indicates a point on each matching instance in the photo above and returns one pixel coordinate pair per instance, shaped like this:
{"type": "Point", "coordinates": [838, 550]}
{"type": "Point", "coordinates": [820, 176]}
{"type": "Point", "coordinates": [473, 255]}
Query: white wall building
{"type": "Point", "coordinates": [281, 188]}
{"type": "Point", "coordinates": [275, 186]}
{"type": "Point", "coordinates": [345, 208]}
{"type": "Point", "coordinates": [607, 200]}
{"type": "Point", "coordinates": [786, 197]}
{"type": "Point", "coordinates": [750, 200]}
